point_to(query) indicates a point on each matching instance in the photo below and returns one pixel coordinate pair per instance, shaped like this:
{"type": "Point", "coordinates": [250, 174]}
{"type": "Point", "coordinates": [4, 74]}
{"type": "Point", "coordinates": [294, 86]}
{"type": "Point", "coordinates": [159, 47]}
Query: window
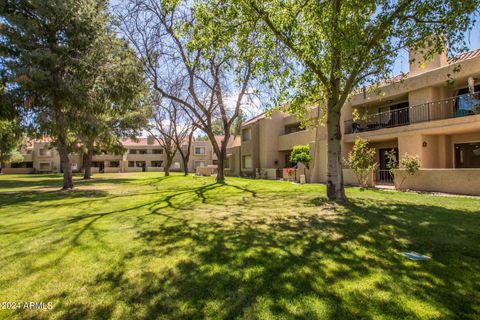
{"type": "Point", "coordinates": [114, 164]}
{"type": "Point", "coordinates": [95, 164]}
{"type": "Point", "coordinates": [215, 162]}
{"type": "Point", "coordinates": [292, 128]}
{"type": "Point", "coordinates": [227, 163]}
{"type": "Point", "coordinates": [157, 151]}
{"type": "Point", "coordinates": [131, 164]}
{"type": "Point", "coordinates": [247, 162]}
{"type": "Point", "coordinates": [199, 164]}
{"type": "Point", "coordinates": [74, 166]}
{"type": "Point", "coordinates": [137, 151]}
{"type": "Point", "coordinates": [28, 164]}
{"type": "Point", "coordinates": [467, 155]}
{"type": "Point", "coordinates": [140, 164]}
{"type": "Point", "coordinates": [44, 152]}
{"type": "Point", "coordinates": [157, 164]}
{"type": "Point", "coordinates": [29, 151]}
{"type": "Point", "coordinates": [247, 134]}
{"type": "Point", "coordinates": [200, 150]}
{"type": "Point", "coordinates": [394, 114]}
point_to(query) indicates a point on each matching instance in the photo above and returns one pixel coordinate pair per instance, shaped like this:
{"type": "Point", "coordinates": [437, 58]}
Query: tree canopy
{"type": "Point", "coordinates": [316, 53]}
{"type": "Point", "coordinates": [66, 73]}
{"type": "Point", "coordinates": [195, 56]}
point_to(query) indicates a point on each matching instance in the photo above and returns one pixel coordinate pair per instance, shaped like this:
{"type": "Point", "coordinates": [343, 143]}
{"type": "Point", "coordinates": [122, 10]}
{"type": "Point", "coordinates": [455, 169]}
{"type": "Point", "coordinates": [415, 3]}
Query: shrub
{"type": "Point", "coordinates": [392, 161]}
{"type": "Point", "coordinates": [411, 165]}
{"type": "Point", "coordinates": [362, 161]}
{"type": "Point", "coordinates": [301, 154]}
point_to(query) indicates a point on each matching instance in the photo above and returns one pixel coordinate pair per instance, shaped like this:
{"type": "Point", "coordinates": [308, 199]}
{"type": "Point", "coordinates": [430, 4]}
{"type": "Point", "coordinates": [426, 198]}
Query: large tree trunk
{"type": "Point", "coordinates": [335, 189]}
{"type": "Point", "coordinates": [185, 166]}
{"type": "Point", "coordinates": [221, 162]}
{"type": "Point", "coordinates": [220, 170]}
{"type": "Point", "coordinates": [88, 164]}
{"type": "Point", "coordinates": [185, 157]}
{"type": "Point", "coordinates": [65, 165]}
{"type": "Point", "coordinates": [168, 164]}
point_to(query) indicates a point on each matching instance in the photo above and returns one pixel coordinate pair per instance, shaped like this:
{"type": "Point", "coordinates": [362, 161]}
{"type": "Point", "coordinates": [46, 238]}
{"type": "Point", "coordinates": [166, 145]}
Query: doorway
{"type": "Point", "coordinates": [384, 174]}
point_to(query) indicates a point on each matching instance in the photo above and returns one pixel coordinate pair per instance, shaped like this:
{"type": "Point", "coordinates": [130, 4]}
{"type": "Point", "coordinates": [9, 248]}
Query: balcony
{"type": "Point", "coordinates": [459, 106]}
{"type": "Point", "coordinates": [288, 141]}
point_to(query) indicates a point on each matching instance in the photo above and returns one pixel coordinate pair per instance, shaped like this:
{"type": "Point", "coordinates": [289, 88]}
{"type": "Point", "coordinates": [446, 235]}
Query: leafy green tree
{"type": "Point", "coordinates": [115, 106]}
{"type": "Point", "coordinates": [301, 154]}
{"type": "Point", "coordinates": [162, 128]}
{"type": "Point", "coordinates": [196, 56]}
{"type": "Point", "coordinates": [362, 160]}
{"type": "Point", "coordinates": [10, 141]}
{"type": "Point", "coordinates": [237, 124]}
{"type": "Point", "coordinates": [44, 47]}
{"type": "Point", "coordinates": [7, 106]}
{"type": "Point", "coordinates": [318, 52]}
{"type": "Point", "coordinates": [201, 138]}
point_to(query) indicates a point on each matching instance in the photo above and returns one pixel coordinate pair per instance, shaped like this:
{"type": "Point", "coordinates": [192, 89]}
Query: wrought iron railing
{"type": "Point", "coordinates": [384, 176]}
{"type": "Point", "coordinates": [459, 106]}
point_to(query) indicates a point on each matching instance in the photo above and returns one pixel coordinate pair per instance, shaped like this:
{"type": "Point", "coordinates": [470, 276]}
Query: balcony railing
{"type": "Point", "coordinates": [459, 106]}
{"type": "Point", "coordinates": [384, 176]}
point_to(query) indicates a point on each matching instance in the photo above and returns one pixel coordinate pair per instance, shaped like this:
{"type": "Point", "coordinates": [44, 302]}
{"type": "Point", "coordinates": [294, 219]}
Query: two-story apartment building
{"type": "Point", "coordinates": [433, 112]}
{"type": "Point", "coordinates": [143, 154]}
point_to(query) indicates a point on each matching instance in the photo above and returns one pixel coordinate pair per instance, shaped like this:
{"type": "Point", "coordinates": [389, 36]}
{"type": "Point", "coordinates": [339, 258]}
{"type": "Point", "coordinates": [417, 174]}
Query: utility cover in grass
{"type": "Point", "coordinates": [415, 256]}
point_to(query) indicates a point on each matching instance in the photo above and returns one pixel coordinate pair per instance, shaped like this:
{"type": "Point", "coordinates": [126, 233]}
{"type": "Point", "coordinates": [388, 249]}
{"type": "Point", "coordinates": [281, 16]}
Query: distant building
{"type": "Point", "coordinates": [142, 155]}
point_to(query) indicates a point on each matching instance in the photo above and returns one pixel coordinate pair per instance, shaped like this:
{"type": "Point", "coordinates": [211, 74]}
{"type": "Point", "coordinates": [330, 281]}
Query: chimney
{"type": "Point", "coordinates": [150, 140]}
{"type": "Point", "coordinates": [419, 65]}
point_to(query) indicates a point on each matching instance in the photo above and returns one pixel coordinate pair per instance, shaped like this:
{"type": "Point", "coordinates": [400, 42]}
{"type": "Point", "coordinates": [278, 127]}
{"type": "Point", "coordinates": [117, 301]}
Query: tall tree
{"type": "Point", "coordinates": [327, 49]}
{"type": "Point", "coordinates": [183, 130]}
{"type": "Point", "coordinates": [195, 58]}
{"type": "Point", "coordinates": [10, 140]}
{"type": "Point", "coordinates": [162, 128]}
{"type": "Point", "coordinates": [115, 106]}
{"type": "Point", "coordinates": [43, 46]}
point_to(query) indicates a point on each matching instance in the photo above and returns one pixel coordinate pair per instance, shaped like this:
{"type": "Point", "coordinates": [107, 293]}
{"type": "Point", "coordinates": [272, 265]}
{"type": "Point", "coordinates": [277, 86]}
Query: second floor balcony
{"type": "Point", "coordinates": [459, 106]}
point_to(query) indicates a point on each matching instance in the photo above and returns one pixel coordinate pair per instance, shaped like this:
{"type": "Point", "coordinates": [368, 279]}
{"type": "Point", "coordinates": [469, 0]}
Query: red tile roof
{"type": "Point", "coordinates": [465, 56]}
{"type": "Point", "coordinates": [140, 142]}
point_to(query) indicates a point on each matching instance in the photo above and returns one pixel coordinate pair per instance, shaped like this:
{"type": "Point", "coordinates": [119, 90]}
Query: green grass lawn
{"type": "Point", "coordinates": [144, 246]}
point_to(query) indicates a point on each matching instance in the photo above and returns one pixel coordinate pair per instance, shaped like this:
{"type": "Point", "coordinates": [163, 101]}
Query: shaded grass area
{"type": "Point", "coordinates": [145, 246]}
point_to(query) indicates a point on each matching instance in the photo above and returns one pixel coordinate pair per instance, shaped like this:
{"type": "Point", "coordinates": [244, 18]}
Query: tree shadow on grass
{"type": "Point", "coordinates": [335, 262]}
{"type": "Point", "coordinates": [311, 267]}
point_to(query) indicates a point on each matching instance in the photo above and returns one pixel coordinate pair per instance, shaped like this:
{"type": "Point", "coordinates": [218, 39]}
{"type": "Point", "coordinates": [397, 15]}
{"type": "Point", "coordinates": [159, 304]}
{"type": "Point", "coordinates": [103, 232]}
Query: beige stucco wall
{"type": "Point", "coordinates": [418, 64]}
{"type": "Point", "coordinates": [112, 170]}
{"type": "Point", "coordinates": [233, 162]}
{"type": "Point", "coordinates": [270, 131]}
{"type": "Point", "coordinates": [349, 178]}
{"type": "Point", "coordinates": [434, 78]}
{"type": "Point", "coordinates": [288, 141]}
{"type": "Point", "coordinates": [461, 181]}
{"type": "Point", "coordinates": [8, 170]}
{"type": "Point", "coordinates": [251, 147]}
{"type": "Point", "coordinates": [208, 157]}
